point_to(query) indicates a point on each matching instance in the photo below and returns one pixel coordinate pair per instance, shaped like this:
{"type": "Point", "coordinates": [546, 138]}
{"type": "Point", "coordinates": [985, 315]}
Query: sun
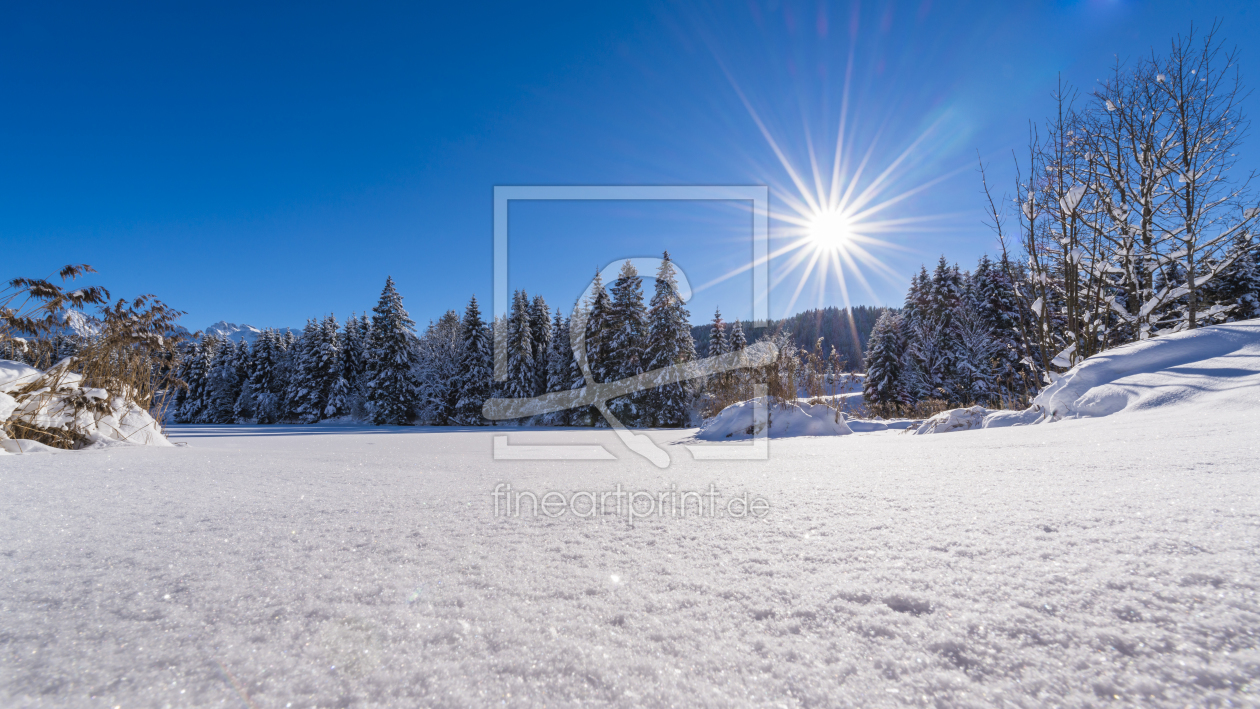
{"type": "Point", "coordinates": [829, 230]}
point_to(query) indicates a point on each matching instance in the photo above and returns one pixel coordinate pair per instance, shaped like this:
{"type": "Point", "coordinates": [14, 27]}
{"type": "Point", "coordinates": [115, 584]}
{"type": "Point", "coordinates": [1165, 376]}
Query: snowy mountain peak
{"type": "Point", "coordinates": [235, 332]}
{"type": "Point", "coordinates": [80, 324]}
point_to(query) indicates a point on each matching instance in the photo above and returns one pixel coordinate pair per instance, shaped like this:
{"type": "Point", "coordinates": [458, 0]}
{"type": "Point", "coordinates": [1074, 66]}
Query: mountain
{"type": "Point", "coordinates": [80, 324]}
{"type": "Point", "coordinates": [249, 333]}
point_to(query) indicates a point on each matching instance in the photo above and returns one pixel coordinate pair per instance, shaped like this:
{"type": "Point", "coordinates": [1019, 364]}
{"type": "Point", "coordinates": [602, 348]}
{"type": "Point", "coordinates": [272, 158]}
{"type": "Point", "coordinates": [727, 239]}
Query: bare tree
{"type": "Point", "coordinates": [1207, 208]}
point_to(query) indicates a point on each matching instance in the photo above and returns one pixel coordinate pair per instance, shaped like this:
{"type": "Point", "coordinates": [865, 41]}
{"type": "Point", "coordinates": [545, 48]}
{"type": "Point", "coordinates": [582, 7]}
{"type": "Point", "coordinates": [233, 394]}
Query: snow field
{"type": "Point", "coordinates": [1070, 564]}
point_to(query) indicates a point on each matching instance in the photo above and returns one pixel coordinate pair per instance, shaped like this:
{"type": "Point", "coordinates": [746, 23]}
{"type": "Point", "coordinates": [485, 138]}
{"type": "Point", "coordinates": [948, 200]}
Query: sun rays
{"type": "Point", "coordinates": [834, 218]}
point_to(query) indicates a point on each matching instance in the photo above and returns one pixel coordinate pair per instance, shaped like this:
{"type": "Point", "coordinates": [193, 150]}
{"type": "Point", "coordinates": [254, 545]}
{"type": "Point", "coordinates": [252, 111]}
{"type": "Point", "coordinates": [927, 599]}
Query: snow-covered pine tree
{"type": "Point", "coordinates": [582, 416]}
{"type": "Point", "coordinates": [559, 365]}
{"type": "Point", "coordinates": [718, 385]}
{"type": "Point", "coordinates": [307, 378]}
{"type": "Point", "coordinates": [1239, 284]}
{"type": "Point", "coordinates": [882, 385]}
{"type": "Point", "coordinates": [738, 340]}
{"type": "Point", "coordinates": [522, 376]}
{"type": "Point", "coordinates": [336, 392]}
{"type": "Point", "coordinates": [353, 352]}
{"type": "Point", "coordinates": [998, 305]}
{"type": "Point", "coordinates": [629, 330]}
{"type": "Point", "coordinates": [266, 382]}
{"type": "Point", "coordinates": [196, 375]}
{"type": "Point", "coordinates": [290, 352]}
{"type": "Point", "coordinates": [595, 313]}
{"type": "Point", "coordinates": [391, 392]}
{"type": "Point", "coordinates": [717, 336]}
{"type": "Point", "coordinates": [599, 331]}
{"type": "Point", "coordinates": [540, 328]}
{"type": "Point", "coordinates": [476, 367]}
{"type": "Point", "coordinates": [243, 407]}
{"type": "Point", "coordinates": [972, 340]}
{"type": "Point", "coordinates": [946, 294]}
{"type": "Point", "coordinates": [224, 386]}
{"type": "Point", "coordinates": [669, 343]}
{"type": "Point", "coordinates": [437, 369]}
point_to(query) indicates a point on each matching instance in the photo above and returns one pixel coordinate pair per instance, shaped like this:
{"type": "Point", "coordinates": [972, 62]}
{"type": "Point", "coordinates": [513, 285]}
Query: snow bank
{"type": "Point", "coordinates": [797, 418]}
{"type": "Point", "coordinates": [60, 402]}
{"type": "Point", "coordinates": [1212, 366]}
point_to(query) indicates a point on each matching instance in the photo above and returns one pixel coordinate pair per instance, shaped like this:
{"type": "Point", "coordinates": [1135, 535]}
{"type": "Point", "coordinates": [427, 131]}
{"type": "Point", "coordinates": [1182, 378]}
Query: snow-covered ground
{"type": "Point", "coordinates": [1086, 562]}
{"type": "Point", "coordinates": [1062, 564]}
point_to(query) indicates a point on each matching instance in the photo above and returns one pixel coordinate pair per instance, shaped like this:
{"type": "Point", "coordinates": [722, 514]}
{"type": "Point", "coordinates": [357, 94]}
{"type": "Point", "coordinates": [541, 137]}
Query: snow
{"type": "Point", "coordinates": [14, 375]}
{"type": "Point", "coordinates": [1204, 368]}
{"type": "Point", "coordinates": [52, 405]}
{"type": "Point", "coordinates": [798, 418]}
{"type": "Point", "coordinates": [1096, 561]}
{"type": "Point", "coordinates": [954, 420]}
{"type": "Point", "coordinates": [235, 332]}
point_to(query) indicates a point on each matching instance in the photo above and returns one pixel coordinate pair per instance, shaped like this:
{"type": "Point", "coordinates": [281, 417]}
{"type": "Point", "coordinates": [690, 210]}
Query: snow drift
{"type": "Point", "coordinates": [1216, 367]}
{"type": "Point", "coordinates": [795, 418]}
{"type": "Point", "coordinates": [56, 400]}
{"type": "Point", "coordinates": [1213, 366]}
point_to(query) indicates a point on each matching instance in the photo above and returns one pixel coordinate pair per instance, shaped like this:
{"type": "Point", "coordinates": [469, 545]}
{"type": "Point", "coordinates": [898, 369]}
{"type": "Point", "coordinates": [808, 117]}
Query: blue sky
{"type": "Point", "coordinates": [270, 163]}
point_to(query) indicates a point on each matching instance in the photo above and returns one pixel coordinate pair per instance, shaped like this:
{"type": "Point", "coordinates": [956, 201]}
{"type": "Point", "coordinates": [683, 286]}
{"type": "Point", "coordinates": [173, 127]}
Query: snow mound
{"type": "Point", "coordinates": [793, 418]}
{"type": "Point", "coordinates": [1216, 366]}
{"type": "Point", "coordinates": [955, 420]}
{"type": "Point", "coordinates": [56, 400]}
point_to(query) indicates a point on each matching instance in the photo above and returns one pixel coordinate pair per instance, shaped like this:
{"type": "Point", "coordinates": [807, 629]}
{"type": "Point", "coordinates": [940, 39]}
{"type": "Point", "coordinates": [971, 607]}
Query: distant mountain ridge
{"type": "Point", "coordinates": [235, 332]}
{"type": "Point", "coordinates": [80, 324]}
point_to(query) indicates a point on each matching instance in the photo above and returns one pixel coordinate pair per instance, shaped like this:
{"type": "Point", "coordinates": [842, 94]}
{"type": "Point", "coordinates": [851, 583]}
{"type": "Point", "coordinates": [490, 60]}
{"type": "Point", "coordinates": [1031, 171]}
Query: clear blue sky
{"type": "Point", "coordinates": [265, 164]}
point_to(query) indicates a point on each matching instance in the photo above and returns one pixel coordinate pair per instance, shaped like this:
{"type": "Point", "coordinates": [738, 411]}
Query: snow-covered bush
{"type": "Point", "coordinates": [56, 409]}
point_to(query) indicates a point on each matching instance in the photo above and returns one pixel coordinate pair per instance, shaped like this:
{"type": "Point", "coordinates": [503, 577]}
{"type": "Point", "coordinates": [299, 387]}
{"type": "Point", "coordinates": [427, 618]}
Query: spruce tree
{"type": "Point", "coordinates": [391, 391]}
{"type": "Point", "coordinates": [599, 332]}
{"type": "Point", "coordinates": [974, 347]}
{"type": "Point", "coordinates": [243, 407]}
{"type": "Point", "coordinates": [196, 374]}
{"type": "Point", "coordinates": [476, 367]}
{"type": "Point", "coordinates": [717, 336]}
{"type": "Point", "coordinates": [224, 385]}
{"type": "Point", "coordinates": [437, 370]}
{"type": "Point", "coordinates": [522, 376]}
{"type": "Point", "coordinates": [559, 359]}
{"type": "Point", "coordinates": [882, 385]}
{"type": "Point", "coordinates": [335, 393]}
{"type": "Point", "coordinates": [629, 329]}
{"type": "Point", "coordinates": [540, 327]}
{"type": "Point", "coordinates": [1239, 284]}
{"type": "Point", "coordinates": [304, 395]}
{"type": "Point", "coordinates": [266, 384]}
{"type": "Point", "coordinates": [738, 340]}
{"type": "Point", "coordinates": [669, 343]}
